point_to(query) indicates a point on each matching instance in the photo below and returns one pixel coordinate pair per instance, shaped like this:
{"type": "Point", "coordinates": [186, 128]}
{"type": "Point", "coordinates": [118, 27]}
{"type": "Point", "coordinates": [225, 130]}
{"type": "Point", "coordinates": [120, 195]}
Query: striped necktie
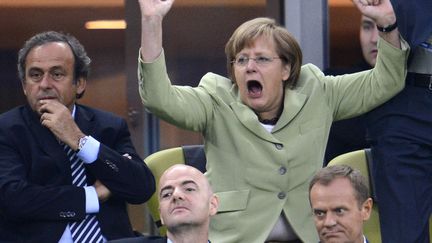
{"type": "Point", "coordinates": [88, 229]}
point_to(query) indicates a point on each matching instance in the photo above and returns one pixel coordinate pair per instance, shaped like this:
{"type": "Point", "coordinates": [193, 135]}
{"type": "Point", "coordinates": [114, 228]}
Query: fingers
{"type": "Point", "coordinates": [102, 191]}
{"type": "Point", "coordinates": [45, 119]}
{"type": "Point", "coordinates": [155, 7]}
{"type": "Point", "coordinates": [127, 156]}
{"type": "Point", "coordinates": [50, 106]}
{"type": "Point", "coordinates": [367, 2]}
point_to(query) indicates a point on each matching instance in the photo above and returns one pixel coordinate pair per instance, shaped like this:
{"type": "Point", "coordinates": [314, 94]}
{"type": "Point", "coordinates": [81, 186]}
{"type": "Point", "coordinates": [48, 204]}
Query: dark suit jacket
{"type": "Point", "coordinates": [37, 199]}
{"type": "Point", "coordinates": [414, 20]}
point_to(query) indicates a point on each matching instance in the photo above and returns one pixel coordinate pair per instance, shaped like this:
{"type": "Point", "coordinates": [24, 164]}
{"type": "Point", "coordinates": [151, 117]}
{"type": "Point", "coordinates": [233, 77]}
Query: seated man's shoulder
{"type": "Point", "coordinates": [13, 116]}
{"type": "Point", "coordinates": [98, 114]}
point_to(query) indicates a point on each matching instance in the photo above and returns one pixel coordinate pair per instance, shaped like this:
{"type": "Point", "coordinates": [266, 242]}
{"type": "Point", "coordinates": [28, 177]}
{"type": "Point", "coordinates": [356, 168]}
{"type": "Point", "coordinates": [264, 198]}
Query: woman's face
{"type": "Point", "coordinates": [259, 74]}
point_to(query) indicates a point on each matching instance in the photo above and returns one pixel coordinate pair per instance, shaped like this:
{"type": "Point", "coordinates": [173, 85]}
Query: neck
{"type": "Point", "coordinates": [188, 236]}
{"type": "Point", "coordinates": [270, 118]}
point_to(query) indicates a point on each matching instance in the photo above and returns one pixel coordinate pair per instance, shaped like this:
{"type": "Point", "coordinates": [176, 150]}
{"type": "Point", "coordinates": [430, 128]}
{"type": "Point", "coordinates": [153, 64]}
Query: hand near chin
{"type": "Point", "coordinates": [58, 118]}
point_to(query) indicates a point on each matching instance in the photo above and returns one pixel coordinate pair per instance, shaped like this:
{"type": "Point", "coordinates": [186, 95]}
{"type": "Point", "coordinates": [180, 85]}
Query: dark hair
{"type": "Point", "coordinates": [81, 60]}
{"type": "Point", "coordinates": [328, 174]}
{"type": "Point", "coordinates": [286, 46]}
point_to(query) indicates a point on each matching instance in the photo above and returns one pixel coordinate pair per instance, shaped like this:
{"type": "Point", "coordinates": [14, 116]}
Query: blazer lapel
{"type": "Point", "coordinates": [250, 120]}
{"type": "Point", "coordinates": [293, 103]}
{"type": "Point", "coordinates": [84, 120]}
{"type": "Point", "coordinates": [46, 140]}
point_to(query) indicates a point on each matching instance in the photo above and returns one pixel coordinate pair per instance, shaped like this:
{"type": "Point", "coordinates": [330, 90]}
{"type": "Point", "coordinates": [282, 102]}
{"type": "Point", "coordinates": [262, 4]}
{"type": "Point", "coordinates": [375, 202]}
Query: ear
{"type": "Point", "coordinates": [81, 85]}
{"type": "Point", "coordinates": [286, 72]}
{"type": "Point", "coordinates": [367, 209]}
{"type": "Point", "coordinates": [160, 216]}
{"type": "Point", "coordinates": [23, 85]}
{"type": "Point", "coordinates": [214, 204]}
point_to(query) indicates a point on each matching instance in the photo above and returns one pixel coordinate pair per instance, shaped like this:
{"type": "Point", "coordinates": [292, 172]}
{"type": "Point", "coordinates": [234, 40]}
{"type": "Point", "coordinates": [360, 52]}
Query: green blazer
{"type": "Point", "coordinates": [258, 174]}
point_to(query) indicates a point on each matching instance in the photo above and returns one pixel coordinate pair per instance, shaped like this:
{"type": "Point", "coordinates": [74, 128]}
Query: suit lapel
{"type": "Point", "coordinates": [293, 103]}
{"type": "Point", "coordinates": [84, 120]}
{"type": "Point", "coordinates": [46, 140]}
{"type": "Point", "coordinates": [250, 120]}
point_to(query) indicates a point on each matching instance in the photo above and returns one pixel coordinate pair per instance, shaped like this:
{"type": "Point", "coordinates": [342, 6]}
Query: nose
{"type": "Point", "coordinates": [178, 195]}
{"type": "Point", "coordinates": [374, 36]}
{"type": "Point", "coordinates": [251, 66]}
{"type": "Point", "coordinates": [45, 82]}
{"type": "Point", "coordinates": [329, 221]}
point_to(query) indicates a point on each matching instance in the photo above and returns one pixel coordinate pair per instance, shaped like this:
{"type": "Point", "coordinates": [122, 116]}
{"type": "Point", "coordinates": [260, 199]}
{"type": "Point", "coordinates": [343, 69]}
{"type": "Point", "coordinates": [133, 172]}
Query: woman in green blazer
{"type": "Point", "coordinates": [266, 128]}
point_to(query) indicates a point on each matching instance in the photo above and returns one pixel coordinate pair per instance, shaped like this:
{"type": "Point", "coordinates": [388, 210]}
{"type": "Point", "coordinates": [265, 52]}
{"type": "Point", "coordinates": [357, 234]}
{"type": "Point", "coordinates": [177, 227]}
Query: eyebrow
{"type": "Point", "coordinates": [189, 182]}
{"type": "Point", "coordinates": [32, 68]}
{"type": "Point", "coordinates": [367, 21]}
{"type": "Point", "coordinates": [186, 182]}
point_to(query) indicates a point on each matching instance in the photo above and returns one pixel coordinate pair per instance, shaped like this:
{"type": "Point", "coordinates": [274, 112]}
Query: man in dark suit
{"type": "Point", "coordinates": [401, 136]}
{"type": "Point", "coordinates": [186, 203]}
{"type": "Point", "coordinates": [340, 203]}
{"type": "Point", "coordinates": [65, 166]}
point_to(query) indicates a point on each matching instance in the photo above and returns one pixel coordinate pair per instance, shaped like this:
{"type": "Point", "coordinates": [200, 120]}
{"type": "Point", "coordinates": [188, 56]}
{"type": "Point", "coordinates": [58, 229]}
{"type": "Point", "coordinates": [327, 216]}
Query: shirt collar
{"type": "Point", "coordinates": [73, 111]}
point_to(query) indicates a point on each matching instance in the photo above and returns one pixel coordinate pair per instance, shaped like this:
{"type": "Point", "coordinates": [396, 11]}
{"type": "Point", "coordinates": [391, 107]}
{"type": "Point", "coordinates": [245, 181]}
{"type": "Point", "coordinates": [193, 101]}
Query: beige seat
{"type": "Point", "coordinates": [362, 160]}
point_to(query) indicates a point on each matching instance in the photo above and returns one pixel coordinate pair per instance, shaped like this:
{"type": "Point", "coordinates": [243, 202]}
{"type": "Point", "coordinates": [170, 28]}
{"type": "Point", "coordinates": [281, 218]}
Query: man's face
{"type": "Point", "coordinates": [337, 215]}
{"type": "Point", "coordinates": [369, 40]}
{"type": "Point", "coordinates": [261, 84]}
{"type": "Point", "coordinates": [185, 198]}
{"type": "Point", "coordinates": [49, 74]}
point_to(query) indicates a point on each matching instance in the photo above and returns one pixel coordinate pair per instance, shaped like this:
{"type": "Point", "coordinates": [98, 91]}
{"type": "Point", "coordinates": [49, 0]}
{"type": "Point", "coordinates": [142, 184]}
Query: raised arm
{"type": "Point", "coordinates": [152, 14]}
{"type": "Point", "coordinates": [381, 11]}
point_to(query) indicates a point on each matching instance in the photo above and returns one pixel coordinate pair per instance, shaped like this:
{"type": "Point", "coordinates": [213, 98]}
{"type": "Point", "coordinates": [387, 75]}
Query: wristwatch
{"type": "Point", "coordinates": [388, 28]}
{"type": "Point", "coordinates": [82, 141]}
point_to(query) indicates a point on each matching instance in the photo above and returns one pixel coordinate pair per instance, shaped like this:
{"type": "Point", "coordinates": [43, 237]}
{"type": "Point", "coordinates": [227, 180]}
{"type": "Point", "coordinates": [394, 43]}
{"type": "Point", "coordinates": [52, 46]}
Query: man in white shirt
{"type": "Point", "coordinates": [65, 167]}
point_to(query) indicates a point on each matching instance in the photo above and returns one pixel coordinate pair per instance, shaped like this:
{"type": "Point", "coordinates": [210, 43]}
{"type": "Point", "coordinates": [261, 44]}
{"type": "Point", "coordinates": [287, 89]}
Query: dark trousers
{"type": "Point", "coordinates": [401, 140]}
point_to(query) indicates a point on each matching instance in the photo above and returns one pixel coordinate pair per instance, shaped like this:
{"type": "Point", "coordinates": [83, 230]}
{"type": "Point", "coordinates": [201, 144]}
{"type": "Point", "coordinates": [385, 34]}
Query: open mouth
{"type": "Point", "coordinates": [254, 88]}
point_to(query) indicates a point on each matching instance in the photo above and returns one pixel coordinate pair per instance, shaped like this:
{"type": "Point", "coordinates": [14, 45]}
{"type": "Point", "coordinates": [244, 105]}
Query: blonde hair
{"type": "Point", "coordinates": [287, 47]}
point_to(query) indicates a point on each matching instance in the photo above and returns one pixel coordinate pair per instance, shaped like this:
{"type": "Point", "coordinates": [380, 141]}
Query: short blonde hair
{"type": "Point", "coordinates": [286, 46]}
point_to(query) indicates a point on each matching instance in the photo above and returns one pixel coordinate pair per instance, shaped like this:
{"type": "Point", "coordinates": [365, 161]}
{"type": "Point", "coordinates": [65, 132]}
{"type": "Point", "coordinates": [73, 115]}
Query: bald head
{"type": "Point", "coordinates": [175, 171]}
{"type": "Point", "coordinates": [186, 199]}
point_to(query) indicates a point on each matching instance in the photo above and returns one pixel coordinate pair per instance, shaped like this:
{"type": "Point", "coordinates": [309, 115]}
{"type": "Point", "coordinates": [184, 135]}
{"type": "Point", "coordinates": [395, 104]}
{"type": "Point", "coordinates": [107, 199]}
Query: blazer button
{"type": "Point", "coordinates": [279, 146]}
{"type": "Point", "coordinates": [112, 165]}
{"type": "Point", "coordinates": [62, 214]}
{"type": "Point", "coordinates": [282, 170]}
{"type": "Point", "coordinates": [281, 195]}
